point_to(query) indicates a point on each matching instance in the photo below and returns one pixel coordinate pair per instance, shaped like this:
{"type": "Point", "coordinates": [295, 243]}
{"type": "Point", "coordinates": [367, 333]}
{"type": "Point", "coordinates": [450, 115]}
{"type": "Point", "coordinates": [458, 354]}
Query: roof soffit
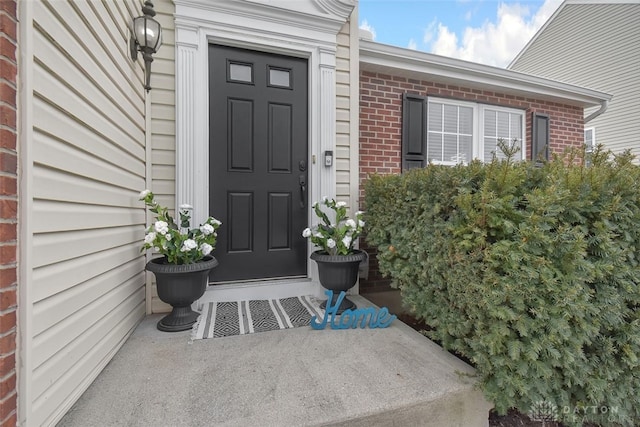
{"type": "Point", "coordinates": [421, 65]}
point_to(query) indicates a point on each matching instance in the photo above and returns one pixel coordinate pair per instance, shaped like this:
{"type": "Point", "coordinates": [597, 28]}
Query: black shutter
{"type": "Point", "coordinates": [540, 136]}
{"type": "Point", "coordinates": [414, 131]}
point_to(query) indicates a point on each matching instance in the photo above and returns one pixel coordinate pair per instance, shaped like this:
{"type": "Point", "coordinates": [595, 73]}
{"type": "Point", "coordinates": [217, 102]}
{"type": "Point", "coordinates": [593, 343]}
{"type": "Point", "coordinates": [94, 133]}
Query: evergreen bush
{"type": "Point", "coordinates": [528, 270]}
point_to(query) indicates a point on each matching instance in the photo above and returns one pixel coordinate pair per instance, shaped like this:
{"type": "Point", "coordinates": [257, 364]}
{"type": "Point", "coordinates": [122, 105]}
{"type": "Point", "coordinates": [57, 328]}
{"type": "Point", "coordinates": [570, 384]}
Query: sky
{"type": "Point", "coordinates": [490, 32]}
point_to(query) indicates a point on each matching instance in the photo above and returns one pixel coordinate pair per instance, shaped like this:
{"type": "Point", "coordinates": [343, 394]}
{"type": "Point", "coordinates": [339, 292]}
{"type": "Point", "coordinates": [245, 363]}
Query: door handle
{"type": "Point", "coordinates": [303, 191]}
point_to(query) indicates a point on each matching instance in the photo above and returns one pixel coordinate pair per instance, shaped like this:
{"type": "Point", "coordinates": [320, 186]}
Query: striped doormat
{"type": "Point", "coordinates": [224, 319]}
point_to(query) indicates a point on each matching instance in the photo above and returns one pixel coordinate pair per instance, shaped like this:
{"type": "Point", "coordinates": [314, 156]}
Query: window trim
{"type": "Point", "coordinates": [477, 138]}
{"type": "Point", "coordinates": [593, 139]}
{"type": "Point", "coordinates": [508, 110]}
{"type": "Point", "coordinates": [474, 135]}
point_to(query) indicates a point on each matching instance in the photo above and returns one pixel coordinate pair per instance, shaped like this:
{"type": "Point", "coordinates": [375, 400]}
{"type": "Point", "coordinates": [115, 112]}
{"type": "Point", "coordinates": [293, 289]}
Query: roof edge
{"type": "Point", "coordinates": [427, 63]}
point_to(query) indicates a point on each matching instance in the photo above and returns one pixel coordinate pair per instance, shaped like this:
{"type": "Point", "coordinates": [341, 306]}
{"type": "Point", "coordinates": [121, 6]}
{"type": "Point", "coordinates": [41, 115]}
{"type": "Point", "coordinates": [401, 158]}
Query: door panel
{"type": "Point", "coordinates": [280, 149]}
{"type": "Point", "coordinates": [240, 208]}
{"type": "Point", "coordinates": [258, 152]}
{"type": "Point", "coordinates": [240, 137]}
{"type": "Point", "coordinates": [279, 220]}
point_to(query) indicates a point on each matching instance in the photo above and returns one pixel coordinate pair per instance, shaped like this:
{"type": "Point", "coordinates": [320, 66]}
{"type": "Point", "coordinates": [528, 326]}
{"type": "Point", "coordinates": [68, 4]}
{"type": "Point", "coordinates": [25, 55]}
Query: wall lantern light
{"type": "Point", "coordinates": [146, 37]}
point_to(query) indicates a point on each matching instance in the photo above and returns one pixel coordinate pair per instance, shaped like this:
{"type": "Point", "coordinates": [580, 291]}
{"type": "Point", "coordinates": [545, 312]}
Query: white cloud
{"type": "Point", "coordinates": [430, 31]}
{"type": "Point", "coordinates": [412, 44]}
{"type": "Point", "coordinates": [468, 15]}
{"type": "Point", "coordinates": [365, 26]}
{"type": "Point", "coordinates": [492, 43]}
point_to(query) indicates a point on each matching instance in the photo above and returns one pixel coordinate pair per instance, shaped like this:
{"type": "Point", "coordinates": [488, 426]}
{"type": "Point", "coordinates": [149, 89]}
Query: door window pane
{"type": "Point", "coordinates": [279, 77]}
{"type": "Point", "coordinates": [240, 72]}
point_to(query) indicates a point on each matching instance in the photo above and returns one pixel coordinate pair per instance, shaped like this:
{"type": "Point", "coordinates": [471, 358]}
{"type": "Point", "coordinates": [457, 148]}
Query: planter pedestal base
{"type": "Point", "coordinates": [338, 273]}
{"type": "Point", "coordinates": [180, 319]}
{"type": "Point", "coordinates": [179, 286]}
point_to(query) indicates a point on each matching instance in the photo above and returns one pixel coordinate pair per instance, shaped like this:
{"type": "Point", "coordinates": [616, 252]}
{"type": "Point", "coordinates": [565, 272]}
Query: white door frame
{"type": "Point", "coordinates": [301, 28]}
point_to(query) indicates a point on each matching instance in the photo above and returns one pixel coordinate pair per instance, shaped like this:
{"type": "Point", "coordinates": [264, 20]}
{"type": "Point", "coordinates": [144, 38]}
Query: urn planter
{"type": "Point", "coordinates": [338, 273]}
{"type": "Point", "coordinates": [179, 286]}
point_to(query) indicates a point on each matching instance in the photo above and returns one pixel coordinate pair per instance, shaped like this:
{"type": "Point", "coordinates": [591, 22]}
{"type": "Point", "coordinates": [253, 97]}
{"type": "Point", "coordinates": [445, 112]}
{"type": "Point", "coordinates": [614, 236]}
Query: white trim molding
{"type": "Point", "coordinates": [301, 28]}
{"type": "Point", "coordinates": [387, 59]}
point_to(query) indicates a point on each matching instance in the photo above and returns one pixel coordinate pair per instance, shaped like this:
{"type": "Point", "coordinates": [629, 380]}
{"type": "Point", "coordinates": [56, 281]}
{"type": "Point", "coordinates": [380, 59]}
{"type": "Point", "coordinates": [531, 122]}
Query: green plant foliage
{"type": "Point", "coordinates": [529, 270]}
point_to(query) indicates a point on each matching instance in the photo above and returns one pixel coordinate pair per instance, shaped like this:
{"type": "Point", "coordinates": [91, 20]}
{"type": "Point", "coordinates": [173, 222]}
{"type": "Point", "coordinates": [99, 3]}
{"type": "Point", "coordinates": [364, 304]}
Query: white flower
{"type": "Point", "coordinates": [161, 227]}
{"type": "Point", "coordinates": [361, 223]}
{"type": "Point", "coordinates": [325, 199]}
{"type": "Point", "coordinates": [206, 248]}
{"type": "Point", "coordinates": [188, 245]}
{"type": "Point", "coordinates": [350, 223]}
{"type": "Point", "coordinates": [306, 232]}
{"type": "Point", "coordinates": [206, 229]}
{"type": "Point", "coordinates": [318, 235]}
{"type": "Point", "coordinates": [346, 241]}
{"type": "Point", "coordinates": [331, 243]}
{"type": "Point", "coordinates": [149, 238]}
{"type": "Point", "coordinates": [359, 213]}
{"type": "Point", "coordinates": [179, 244]}
{"type": "Point", "coordinates": [341, 204]}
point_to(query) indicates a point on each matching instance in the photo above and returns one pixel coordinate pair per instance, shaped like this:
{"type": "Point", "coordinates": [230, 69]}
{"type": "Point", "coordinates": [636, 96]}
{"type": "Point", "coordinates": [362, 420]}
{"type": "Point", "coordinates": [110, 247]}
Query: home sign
{"type": "Point", "coordinates": [362, 317]}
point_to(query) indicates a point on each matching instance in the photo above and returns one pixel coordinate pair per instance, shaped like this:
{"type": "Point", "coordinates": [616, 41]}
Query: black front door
{"type": "Point", "coordinates": [258, 163]}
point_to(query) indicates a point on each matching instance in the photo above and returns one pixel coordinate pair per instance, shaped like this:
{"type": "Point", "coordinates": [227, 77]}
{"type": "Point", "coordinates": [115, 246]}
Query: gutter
{"type": "Point", "coordinates": [603, 107]}
{"type": "Point", "coordinates": [422, 63]}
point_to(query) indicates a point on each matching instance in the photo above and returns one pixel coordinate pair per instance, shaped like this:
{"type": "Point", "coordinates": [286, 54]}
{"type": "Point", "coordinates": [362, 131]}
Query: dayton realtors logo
{"type": "Point", "coordinates": [546, 411]}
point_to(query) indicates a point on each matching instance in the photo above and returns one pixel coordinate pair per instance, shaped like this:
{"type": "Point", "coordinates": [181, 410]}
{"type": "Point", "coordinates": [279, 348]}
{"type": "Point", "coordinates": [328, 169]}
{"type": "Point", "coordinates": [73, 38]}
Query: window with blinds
{"type": "Point", "coordinates": [501, 124]}
{"type": "Point", "coordinates": [457, 131]}
{"type": "Point", "coordinates": [449, 133]}
{"type": "Point", "coordinates": [589, 139]}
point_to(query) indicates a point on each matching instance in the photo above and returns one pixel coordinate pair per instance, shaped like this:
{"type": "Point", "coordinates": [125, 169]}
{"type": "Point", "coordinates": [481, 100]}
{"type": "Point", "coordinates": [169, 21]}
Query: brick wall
{"type": "Point", "coordinates": [8, 211]}
{"type": "Point", "coordinates": [381, 129]}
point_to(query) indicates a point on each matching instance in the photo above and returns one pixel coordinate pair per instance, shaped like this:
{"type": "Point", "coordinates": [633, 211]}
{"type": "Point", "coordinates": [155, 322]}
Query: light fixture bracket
{"type": "Point", "coordinates": [146, 37]}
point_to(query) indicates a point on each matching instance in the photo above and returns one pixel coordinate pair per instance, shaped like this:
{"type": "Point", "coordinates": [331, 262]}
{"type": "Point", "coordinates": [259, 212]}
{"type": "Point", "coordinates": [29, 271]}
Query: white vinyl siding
{"type": "Point", "coordinates": [163, 126]}
{"type": "Point", "coordinates": [343, 112]}
{"type": "Point", "coordinates": [460, 131]}
{"type": "Point", "coordinates": [595, 46]}
{"type": "Point", "coordinates": [87, 166]}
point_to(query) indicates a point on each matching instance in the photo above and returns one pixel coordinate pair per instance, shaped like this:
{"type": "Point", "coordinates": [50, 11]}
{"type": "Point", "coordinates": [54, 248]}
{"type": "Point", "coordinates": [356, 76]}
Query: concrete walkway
{"type": "Point", "coordinates": [295, 377]}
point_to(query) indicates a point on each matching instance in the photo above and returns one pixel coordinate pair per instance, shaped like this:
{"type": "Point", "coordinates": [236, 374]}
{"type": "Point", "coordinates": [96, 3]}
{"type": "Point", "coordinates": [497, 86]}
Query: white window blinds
{"type": "Point", "coordinates": [450, 133]}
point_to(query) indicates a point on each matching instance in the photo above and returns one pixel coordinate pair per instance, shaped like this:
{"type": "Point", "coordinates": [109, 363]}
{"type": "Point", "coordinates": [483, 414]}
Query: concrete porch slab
{"type": "Point", "coordinates": [294, 377]}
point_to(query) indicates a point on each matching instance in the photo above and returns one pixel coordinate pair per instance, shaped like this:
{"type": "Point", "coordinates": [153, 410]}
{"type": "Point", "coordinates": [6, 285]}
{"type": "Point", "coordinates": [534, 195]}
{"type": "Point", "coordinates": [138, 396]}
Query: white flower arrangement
{"type": "Point", "coordinates": [335, 238]}
{"type": "Point", "coordinates": [179, 245]}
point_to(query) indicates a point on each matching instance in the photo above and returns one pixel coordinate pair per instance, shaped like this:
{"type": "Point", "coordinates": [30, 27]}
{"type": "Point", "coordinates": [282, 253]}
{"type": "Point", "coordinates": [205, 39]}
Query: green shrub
{"type": "Point", "coordinates": [530, 271]}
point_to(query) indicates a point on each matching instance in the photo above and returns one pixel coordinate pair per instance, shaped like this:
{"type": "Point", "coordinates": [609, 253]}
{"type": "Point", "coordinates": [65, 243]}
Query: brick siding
{"type": "Point", "coordinates": [8, 212]}
{"type": "Point", "coordinates": [381, 129]}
